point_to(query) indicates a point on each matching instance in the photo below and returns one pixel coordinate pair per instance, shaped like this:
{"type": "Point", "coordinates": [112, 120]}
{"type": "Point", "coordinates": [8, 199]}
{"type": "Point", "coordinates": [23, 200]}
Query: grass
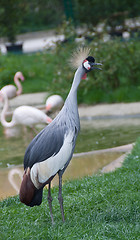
{"type": "Point", "coordinates": [103, 206]}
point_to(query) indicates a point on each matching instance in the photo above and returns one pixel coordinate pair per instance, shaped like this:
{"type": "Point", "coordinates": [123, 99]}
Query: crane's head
{"type": "Point", "coordinates": [89, 64]}
{"type": "Point", "coordinates": [81, 56]}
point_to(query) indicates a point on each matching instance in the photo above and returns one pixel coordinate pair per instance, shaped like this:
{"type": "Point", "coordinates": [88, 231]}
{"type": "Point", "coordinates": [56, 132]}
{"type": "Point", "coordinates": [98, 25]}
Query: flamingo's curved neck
{"type": "Point", "coordinates": [3, 113]}
{"type": "Point", "coordinates": [18, 84]}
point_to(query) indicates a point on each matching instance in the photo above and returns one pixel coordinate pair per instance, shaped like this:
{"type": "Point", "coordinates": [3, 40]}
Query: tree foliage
{"type": "Point", "coordinates": [42, 14]}
{"type": "Point", "coordinates": [10, 18]}
{"type": "Point", "coordinates": [94, 11]}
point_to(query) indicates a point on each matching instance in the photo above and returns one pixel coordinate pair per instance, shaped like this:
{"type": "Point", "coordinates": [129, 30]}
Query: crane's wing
{"type": "Point", "coordinates": [46, 144]}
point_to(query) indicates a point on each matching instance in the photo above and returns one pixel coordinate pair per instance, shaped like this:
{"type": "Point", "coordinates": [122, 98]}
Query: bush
{"type": "Point", "coordinates": [10, 18]}
{"type": "Point", "coordinates": [49, 71]}
{"type": "Point", "coordinates": [41, 15]}
{"type": "Point", "coordinates": [119, 79]}
{"type": "Point", "coordinates": [94, 11]}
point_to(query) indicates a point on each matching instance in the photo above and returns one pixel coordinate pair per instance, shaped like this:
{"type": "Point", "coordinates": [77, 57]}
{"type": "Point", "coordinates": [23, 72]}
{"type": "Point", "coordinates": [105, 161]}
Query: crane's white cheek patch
{"type": "Point", "coordinates": [86, 65]}
{"type": "Point", "coordinates": [42, 171]}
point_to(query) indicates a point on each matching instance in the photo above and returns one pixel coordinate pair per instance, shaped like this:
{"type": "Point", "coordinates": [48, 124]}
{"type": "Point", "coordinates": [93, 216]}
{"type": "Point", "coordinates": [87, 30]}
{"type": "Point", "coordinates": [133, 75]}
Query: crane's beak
{"type": "Point", "coordinates": [93, 66]}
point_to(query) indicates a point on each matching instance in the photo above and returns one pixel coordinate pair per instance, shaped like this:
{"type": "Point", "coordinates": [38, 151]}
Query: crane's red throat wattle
{"type": "Point", "coordinates": [84, 76]}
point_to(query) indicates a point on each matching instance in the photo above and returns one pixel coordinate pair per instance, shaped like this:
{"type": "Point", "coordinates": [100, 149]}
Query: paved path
{"type": "Point", "coordinates": [36, 41]}
{"type": "Point", "coordinates": [100, 110]}
{"type": "Point", "coordinates": [116, 109]}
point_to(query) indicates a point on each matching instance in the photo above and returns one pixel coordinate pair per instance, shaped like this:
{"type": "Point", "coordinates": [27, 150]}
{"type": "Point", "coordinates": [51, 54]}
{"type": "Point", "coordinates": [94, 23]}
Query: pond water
{"type": "Point", "coordinates": [95, 134]}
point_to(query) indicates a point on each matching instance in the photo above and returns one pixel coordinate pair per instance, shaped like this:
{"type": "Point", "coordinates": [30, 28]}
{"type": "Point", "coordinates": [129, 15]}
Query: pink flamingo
{"type": "Point", "coordinates": [10, 90]}
{"type": "Point", "coordinates": [54, 103]}
{"type": "Point", "coordinates": [23, 115]}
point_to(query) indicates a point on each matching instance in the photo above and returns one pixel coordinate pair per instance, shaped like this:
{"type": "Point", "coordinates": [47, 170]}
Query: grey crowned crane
{"type": "Point", "coordinates": [50, 152]}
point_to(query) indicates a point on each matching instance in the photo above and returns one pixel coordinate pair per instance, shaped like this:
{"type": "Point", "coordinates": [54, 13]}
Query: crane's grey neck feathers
{"type": "Point", "coordinates": [76, 81]}
{"type": "Point", "coordinates": [75, 62]}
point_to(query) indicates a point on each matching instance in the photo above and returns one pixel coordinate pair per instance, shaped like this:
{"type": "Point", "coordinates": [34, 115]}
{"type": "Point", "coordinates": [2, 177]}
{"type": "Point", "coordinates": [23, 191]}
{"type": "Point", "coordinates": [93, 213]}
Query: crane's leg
{"type": "Point", "coordinates": [50, 202]}
{"type": "Point", "coordinates": [60, 198]}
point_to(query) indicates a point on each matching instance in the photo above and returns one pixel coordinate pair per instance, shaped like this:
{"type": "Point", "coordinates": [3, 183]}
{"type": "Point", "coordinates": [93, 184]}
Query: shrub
{"type": "Point", "coordinates": [10, 18]}
{"type": "Point", "coordinates": [49, 71]}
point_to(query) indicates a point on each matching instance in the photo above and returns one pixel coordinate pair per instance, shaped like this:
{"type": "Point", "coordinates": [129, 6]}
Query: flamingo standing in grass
{"type": "Point", "coordinates": [10, 90]}
{"type": "Point", "coordinates": [51, 150]}
{"type": "Point", "coordinates": [23, 115]}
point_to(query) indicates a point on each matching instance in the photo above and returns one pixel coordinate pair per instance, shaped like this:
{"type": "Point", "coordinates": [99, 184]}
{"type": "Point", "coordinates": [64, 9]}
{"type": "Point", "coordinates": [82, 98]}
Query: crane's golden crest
{"type": "Point", "coordinates": [78, 56]}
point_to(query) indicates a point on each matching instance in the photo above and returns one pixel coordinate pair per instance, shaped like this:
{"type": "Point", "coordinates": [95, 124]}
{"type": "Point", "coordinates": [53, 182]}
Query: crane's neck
{"type": "Point", "coordinates": [71, 101]}
{"type": "Point", "coordinates": [76, 81]}
{"type": "Point", "coordinates": [3, 113]}
{"type": "Point", "coordinates": [18, 84]}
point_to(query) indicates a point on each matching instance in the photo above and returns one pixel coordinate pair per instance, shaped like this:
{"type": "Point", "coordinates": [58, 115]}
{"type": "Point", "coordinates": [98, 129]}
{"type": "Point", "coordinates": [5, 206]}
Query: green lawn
{"type": "Point", "coordinates": [104, 206]}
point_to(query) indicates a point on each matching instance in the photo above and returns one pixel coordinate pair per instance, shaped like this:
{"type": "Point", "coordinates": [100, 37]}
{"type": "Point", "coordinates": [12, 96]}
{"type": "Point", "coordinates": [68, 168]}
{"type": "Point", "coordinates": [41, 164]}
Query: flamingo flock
{"type": "Point", "coordinates": [26, 115]}
{"type": "Point", "coordinates": [23, 115]}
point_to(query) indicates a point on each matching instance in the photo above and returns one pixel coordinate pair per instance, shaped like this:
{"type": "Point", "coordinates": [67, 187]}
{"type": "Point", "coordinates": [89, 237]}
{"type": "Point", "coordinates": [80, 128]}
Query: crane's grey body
{"type": "Point", "coordinates": [51, 150]}
{"type": "Point", "coordinates": [51, 139]}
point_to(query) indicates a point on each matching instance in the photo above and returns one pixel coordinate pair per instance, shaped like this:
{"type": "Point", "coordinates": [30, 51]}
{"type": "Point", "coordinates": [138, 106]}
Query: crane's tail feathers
{"type": "Point", "coordinates": [78, 56]}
